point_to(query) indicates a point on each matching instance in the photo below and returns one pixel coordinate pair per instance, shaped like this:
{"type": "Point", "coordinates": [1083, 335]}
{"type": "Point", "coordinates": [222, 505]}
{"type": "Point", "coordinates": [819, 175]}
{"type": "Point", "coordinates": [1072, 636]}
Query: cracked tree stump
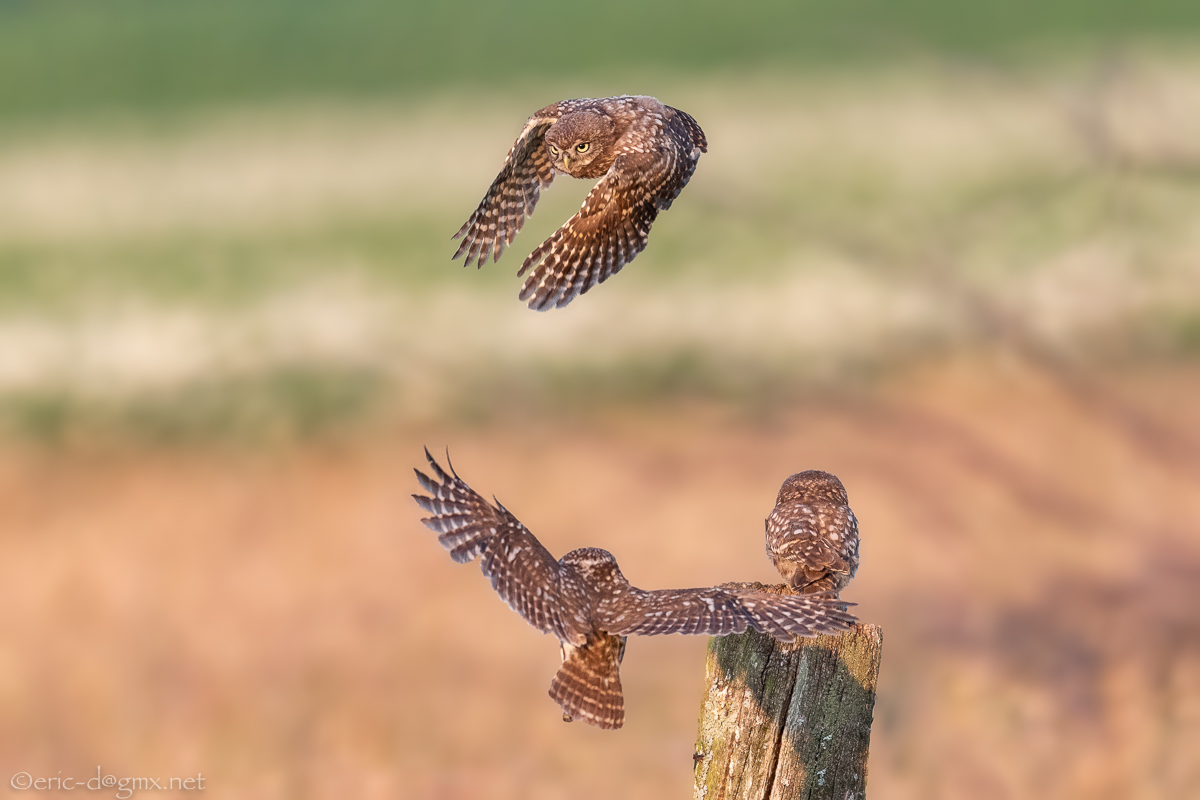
{"type": "Point", "coordinates": [783, 721]}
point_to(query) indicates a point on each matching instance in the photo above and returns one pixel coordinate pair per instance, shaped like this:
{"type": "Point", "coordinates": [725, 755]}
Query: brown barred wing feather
{"type": "Point", "coordinates": [463, 520]}
{"type": "Point", "coordinates": [684, 129]}
{"type": "Point", "coordinates": [711, 612]}
{"type": "Point", "coordinates": [717, 612]}
{"type": "Point", "coordinates": [513, 194]}
{"type": "Point", "coordinates": [521, 570]}
{"type": "Point", "coordinates": [610, 229]}
{"type": "Point", "coordinates": [787, 616]}
{"type": "Point", "coordinates": [525, 575]}
{"type": "Point", "coordinates": [685, 132]}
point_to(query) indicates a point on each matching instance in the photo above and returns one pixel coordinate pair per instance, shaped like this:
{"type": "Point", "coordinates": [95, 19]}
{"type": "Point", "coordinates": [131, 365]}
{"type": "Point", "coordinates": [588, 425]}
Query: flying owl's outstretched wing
{"type": "Point", "coordinates": [513, 194]}
{"type": "Point", "coordinates": [604, 235]}
{"type": "Point", "coordinates": [588, 684]}
{"type": "Point", "coordinates": [716, 612]}
{"type": "Point", "coordinates": [613, 224]}
{"type": "Point", "coordinates": [786, 616]}
{"type": "Point", "coordinates": [522, 571]}
{"type": "Point", "coordinates": [682, 127]}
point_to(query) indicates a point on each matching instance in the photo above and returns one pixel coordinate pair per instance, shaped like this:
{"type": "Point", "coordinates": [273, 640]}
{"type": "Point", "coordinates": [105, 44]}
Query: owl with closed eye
{"type": "Point", "coordinates": [643, 153]}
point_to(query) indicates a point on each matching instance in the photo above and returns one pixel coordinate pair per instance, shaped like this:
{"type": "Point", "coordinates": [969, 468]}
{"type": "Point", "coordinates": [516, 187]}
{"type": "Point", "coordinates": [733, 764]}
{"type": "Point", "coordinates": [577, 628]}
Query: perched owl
{"type": "Point", "coordinates": [643, 152]}
{"type": "Point", "coordinates": [812, 535]}
{"type": "Point", "coordinates": [585, 601]}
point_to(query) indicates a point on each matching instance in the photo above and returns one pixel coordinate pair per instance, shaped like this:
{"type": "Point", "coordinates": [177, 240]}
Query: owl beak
{"type": "Point", "coordinates": [566, 164]}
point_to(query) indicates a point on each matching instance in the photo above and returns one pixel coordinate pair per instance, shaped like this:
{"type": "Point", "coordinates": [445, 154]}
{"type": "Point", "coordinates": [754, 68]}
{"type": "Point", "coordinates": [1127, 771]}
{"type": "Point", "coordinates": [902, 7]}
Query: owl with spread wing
{"type": "Point", "coordinates": [589, 606]}
{"type": "Point", "coordinates": [642, 151]}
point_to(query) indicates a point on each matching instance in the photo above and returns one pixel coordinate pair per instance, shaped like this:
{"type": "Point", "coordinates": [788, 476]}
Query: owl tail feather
{"type": "Point", "coordinates": [588, 684]}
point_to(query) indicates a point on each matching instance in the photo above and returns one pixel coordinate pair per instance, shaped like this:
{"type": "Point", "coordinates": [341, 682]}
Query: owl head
{"type": "Point", "coordinates": [580, 144]}
{"type": "Point", "coordinates": [596, 565]}
{"type": "Point", "coordinates": [813, 485]}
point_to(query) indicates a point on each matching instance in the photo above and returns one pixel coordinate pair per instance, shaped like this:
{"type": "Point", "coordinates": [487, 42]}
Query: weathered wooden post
{"type": "Point", "coordinates": [782, 721]}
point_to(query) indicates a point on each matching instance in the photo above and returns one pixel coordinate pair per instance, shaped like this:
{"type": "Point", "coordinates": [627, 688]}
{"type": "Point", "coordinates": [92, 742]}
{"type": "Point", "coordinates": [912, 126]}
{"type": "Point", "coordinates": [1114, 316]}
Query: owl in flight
{"type": "Point", "coordinates": [812, 535]}
{"type": "Point", "coordinates": [585, 601]}
{"type": "Point", "coordinates": [642, 151]}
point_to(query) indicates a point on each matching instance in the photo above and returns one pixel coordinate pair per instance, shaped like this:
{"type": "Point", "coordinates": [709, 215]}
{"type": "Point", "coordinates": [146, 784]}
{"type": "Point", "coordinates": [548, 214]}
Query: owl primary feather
{"type": "Point", "coordinates": [642, 151]}
{"type": "Point", "coordinates": [585, 601]}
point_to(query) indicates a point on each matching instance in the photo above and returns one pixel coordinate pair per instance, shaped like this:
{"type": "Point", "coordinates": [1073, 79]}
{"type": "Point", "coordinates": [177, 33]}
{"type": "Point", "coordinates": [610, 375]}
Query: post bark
{"type": "Point", "coordinates": [783, 721]}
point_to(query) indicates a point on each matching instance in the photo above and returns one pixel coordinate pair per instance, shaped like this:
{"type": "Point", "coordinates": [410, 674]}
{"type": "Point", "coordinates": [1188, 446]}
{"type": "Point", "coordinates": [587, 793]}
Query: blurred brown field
{"type": "Point", "coordinates": [278, 620]}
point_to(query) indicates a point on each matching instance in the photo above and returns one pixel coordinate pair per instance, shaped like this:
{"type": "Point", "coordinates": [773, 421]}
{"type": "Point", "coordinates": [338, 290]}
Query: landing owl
{"type": "Point", "coordinates": [644, 153]}
{"type": "Point", "coordinates": [812, 535]}
{"type": "Point", "coordinates": [585, 601]}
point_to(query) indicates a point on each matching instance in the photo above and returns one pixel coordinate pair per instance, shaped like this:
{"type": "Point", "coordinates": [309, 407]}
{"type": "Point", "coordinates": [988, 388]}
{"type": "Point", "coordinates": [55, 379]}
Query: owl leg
{"type": "Point", "coordinates": [562, 649]}
{"type": "Point", "coordinates": [793, 576]}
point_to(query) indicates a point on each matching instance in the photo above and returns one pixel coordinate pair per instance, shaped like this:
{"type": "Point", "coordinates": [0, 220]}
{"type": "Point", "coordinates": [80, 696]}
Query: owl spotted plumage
{"type": "Point", "coordinates": [812, 535]}
{"type": "Point", "coordinates": [644, 153]}
{"type": "Point", "coordinates": [589, 606]}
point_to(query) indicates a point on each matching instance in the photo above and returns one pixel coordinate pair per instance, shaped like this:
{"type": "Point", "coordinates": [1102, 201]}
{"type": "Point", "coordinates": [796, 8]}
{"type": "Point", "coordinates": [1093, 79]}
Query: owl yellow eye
{"type": "Point", "coordinates": [583, 148]}
{"type": "Point", "coordinates": [553, 149]}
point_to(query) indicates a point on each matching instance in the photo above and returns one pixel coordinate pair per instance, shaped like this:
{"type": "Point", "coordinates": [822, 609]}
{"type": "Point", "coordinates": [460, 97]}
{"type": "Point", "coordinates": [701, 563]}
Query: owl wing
{"type": "Point", "coordinates": [690, 139]}
{"type": "Point", "coordinates": [716, 612]}
{"type": "Point", "coordinates": [612, 226]}
{"type": "Point", "coordinates": [514, 193]}
{"type": "Point", "coordinates": [521, 570]}
{"type": "Point", "coordinates": [786, 616]}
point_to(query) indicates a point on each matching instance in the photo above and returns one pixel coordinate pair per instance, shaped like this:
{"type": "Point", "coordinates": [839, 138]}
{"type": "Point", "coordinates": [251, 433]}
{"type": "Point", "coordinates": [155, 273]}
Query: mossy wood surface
{"type": "Point", "coordinates": [784, 721]}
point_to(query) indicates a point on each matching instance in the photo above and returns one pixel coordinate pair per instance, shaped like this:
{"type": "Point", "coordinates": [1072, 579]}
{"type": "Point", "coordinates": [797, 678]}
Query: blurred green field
{"type": "Point", "coordinates": [232, 220]}
{"type": "Point", "coordinates": [286, 269]}
{"type": "Point", "coordinates": [67, 56]}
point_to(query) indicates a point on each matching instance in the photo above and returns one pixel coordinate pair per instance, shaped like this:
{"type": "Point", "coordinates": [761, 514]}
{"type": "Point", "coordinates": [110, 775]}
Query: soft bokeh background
{"type": "Point", "coordinates": [948, 251]}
